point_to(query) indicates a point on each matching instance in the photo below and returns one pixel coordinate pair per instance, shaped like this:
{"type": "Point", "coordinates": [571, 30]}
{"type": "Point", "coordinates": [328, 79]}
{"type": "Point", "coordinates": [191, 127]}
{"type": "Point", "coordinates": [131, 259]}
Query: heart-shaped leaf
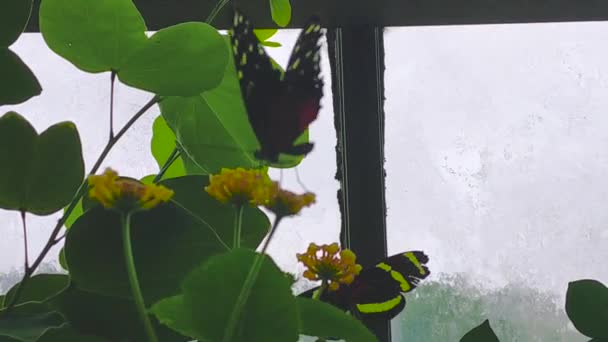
{"type": "Point", "coordinates": [264, 34]}
{"type": "Point", "coordinates": [168, 241]}
{"type": "Point", "coordinates": [587, 307]}
{"type": "Point", "coordinates": [95, 36]}
{"type": "Point", "coordinates": [14, 15]}
{"type": "Point", "coordinates": [481, 333]}
{"type": "Point", "coordinates": [323, 320]}
{"type": "Point", "coordinates": [269, 312]}
{"type": "Point", "coordinates": [18, 82]}
{"type": "Point", "coordinates": [163, 144]}
{"type": "Point", "coordinates": [39, 288]}
{"type": "Point", "coordinates": [28, 321]}
{"type": "Point", "coordinates": [213, 128]}
{"type": "Point", "coordinates": [113, 318]}
{"type": "Point", "coordinates": [66, 333]}
{"type": "Point", "coordinates": [281, 12]}
{"type": "Point", "coordinates": [39, 173]}
{"type": "Point", "coordinates": [173, 313]}
{"type": "Point", "coordinates": [181, 60]}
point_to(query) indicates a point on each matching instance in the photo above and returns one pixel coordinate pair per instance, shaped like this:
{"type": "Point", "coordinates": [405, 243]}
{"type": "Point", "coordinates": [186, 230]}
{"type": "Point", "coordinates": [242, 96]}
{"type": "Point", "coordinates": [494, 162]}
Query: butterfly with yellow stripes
{"type": "Point", "coordinates": [377, 292]}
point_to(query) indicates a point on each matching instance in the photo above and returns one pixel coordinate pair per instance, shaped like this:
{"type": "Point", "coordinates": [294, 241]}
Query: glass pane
{"type": "Point", "coordinates": [70, 94]}
{"type": "Point", "coordinates": [496, 162]}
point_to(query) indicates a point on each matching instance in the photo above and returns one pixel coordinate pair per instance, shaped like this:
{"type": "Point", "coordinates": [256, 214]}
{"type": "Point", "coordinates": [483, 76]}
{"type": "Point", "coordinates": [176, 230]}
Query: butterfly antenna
{"type": "Point", "coordinates": [300, 181]}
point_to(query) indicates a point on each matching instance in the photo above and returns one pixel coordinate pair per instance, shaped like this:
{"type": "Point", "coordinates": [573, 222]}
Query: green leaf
{"type": "Point", "coordinates": [66, 333]}
{"type": "Point", "coordinates": [281, 12]}
{"type": "Point", "coordinates": [271, 44]}
{"type": "Point", "coordinates": [14, 15]}
{"type": "Point", "coordinates": [587, 307]}
{"type": "Point", "coordinates": [39, 173]}
{"type": "Point", "coordinates": [173, 313]}
{"type": "Point", "coordinates": [95, 36]}
{"type": "Point", "coordinates": [168, 241]}
{"type": "Point", "coordinates": [181, 60]}
{"type": "Point", "coordinates": [28, 321]}
{"type": "Point", "coordinates": [61, 258]}
{"type": "Point", "coordinates": [481, 333]}
{"type": "Point", "coordinates": [264, 34]}
{"type": "Point", "coordinates": [163, 144]}
{"type": "Point", "coordinates": [18, 82]}
{"type": "Point", "coordinates": [213, 128]}
{"type": "Point", "coordinates": [74, 215]}
{"type": "Point", "coordinates": [110, 317]}
{"type": "Point", "coordinates": [210, 141]}
{"type": "Point", "coordinates": [39, 288]}
{"type": "Point", "coordinates": [323, 320]}
{"type": "Point", "coordinates": [211, 291]}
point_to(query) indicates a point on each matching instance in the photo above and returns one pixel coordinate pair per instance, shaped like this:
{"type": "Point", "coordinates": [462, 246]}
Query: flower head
{"type": "Point", "coordinates": [286, 203]}
{"type": "Point", "coordinates": [330, 264]}
{"type": "Point", "coordinates": [240, 186]}
{"type": "Point", "coordinates": [126, 194]}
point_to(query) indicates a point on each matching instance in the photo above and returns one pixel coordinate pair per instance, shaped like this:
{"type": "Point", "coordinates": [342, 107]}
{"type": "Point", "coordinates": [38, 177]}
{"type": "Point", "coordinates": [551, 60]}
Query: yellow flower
{"type": "Point", "coordinates": [286, 203]}
{"type": "Point", "coordinates": [323, 263]}
{"type": "Point", "coordinates": [239, 186]}
{"type": "Point", "coordinates": [126, 194]}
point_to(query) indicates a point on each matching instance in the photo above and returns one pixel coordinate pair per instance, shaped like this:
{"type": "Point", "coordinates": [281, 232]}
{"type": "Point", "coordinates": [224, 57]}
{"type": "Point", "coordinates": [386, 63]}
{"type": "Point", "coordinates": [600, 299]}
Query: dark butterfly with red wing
{"type": "Point", "coordinates": [377, 292]}
{"type": "Point", "coordinates": [280, 106]}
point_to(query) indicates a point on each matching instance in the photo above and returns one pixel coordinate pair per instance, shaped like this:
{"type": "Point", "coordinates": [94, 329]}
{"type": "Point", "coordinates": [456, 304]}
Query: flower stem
{"type": "Point", "coordinates": [248, 285]}
{"type": "Point", "coordinates": [175, 154]}
{"type": "Point", "coordinates": [317, 294]}
{"type": "Point", "coordinates": [238, 222]}
{"type": "Point", "coordinates": [242, 298]}
{"type": "Point", "coordinates": [133, 281]}
{"type": "Point", "coordinates": [273, 230]}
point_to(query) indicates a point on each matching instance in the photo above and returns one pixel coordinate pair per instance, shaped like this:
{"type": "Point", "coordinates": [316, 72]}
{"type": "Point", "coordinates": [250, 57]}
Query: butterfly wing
{"type": "Point", "coordinates": [259, 79]}
{"type": "Point", "coordinates": [304, 84]}
{"type": "Point", "coordinates": [279, 106]}
{"type": "Point", "coordinates": [377, 291]}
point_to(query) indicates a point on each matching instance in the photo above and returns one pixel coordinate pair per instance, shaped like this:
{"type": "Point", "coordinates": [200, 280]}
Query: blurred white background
{"type": "Point", "coordinates": [496, 167]}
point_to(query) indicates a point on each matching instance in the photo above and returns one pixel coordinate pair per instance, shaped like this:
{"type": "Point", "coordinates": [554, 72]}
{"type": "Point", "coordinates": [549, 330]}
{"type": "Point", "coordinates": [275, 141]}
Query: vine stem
{"type": "Point", "coordinates": [25, 246]}
{"type": "Point", "coordinates": [248, 285]}
{"type": "Point", "coordinates": [133, 281]}
{"type": "Point", "coordinates": [238, 222]}
{"type": "Point", "coordinates": [53, 240]}
{"type": "Point", "coordinates": [170, 160]}
{"type": "Point", "coordinates": [216, 10]}
{"type": "Point", "coordinates": [277, 220]}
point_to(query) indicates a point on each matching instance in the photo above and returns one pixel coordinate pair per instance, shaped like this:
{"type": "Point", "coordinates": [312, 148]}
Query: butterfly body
{"type": "Point", "coordinates": [377, 292]}
{"type": "Point", "coordinates": [280, 105]}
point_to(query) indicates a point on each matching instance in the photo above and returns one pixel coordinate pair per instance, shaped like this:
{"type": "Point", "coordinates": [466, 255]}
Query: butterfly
{"type": "Point", "coordinates": [280, 105]}
{"type": "Point", "coordinates": [377, 292]}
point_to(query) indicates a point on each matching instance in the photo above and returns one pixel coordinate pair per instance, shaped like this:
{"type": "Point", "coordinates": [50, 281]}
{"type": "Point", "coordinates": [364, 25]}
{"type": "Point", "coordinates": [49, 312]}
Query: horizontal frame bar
{"type": "Point", "coordinates": [381, 13]}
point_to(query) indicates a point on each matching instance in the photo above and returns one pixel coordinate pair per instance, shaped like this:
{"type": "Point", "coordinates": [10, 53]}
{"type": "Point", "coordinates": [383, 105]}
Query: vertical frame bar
{"type": "Point", "coordinates": [357, 61]}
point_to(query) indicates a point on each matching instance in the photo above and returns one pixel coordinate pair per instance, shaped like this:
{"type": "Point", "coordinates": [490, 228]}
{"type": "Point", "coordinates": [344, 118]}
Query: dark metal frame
{"type": "Point", "coordinates": [381, 13]}
{"type": "Point", "coordinates": [356, 49]}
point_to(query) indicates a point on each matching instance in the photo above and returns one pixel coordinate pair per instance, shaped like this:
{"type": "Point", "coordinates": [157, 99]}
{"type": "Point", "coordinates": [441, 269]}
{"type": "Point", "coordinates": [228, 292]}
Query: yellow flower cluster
{"type": "Point", "coordinates": [328, 267]}
{"type": "Point", "coordinates": [240, 186]}
{"type": "Point", "coordinates": [286, 203]}
{"type": "Point", "coordinates": [126, 194]}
